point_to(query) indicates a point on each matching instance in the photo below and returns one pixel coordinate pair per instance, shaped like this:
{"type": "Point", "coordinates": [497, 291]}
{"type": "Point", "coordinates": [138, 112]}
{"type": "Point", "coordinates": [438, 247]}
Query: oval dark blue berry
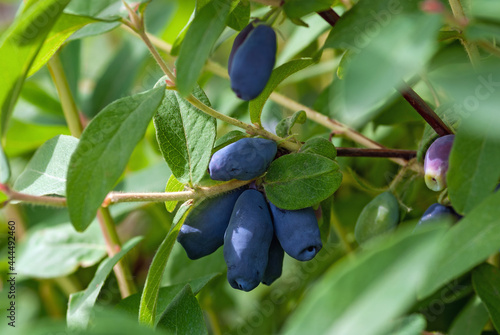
{"type": "Point", "coordinates": [238, 41]}
{"type": "Point", "coordinates": [274, 266]}
{"type": "Point", "coordinates": [439, 213]}
{"type": "Point", "coordinates": [203, 230]}
{"type": "Point", "coordinates": [247, 241]}
{"type": "Point", "coordinates": [245, 159]}
{"type": "Point", "coordinates": [253, 62]}
{"type": "Point", "coordinates": [297, 232]}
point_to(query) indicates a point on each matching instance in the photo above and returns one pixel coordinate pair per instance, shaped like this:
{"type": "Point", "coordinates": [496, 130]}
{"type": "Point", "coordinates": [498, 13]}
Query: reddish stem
{"type": "Point", "coordinates": [364, 152]}
{"type": "Point", "coordinates": [424, 110]}
{"type": "Point", "coordinates": [330, 16]}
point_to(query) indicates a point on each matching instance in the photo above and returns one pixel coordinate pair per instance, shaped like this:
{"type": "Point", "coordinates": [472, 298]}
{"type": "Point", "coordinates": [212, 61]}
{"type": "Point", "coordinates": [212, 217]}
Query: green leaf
{"type": "Point", "coordinates": [365, 20]}
{"type": "Point", "coordinates": [54, 249]}
{"type": "Point", "coordinates": [472, 93]}
{"type": "Point", "coordinates": [19, 46]}
{"type": "Point", "coordinates": [46, 104]}
{"type": "Point", "coordinates": [478, 31]}
{"type": "Point", "coordinates": [25, 137]}
{"type": "Point", "coordinates": [173, 185]}
{"type": "Point", "coordinates": [239, 15]}
{"type": "Point", "coordinates": [118, 76]}
{"type": "Point", "coordinates": [104, 150]}
{"type": "Point", "coordinates": [165, 296]}
{"type": "Point", "coordinates": [399, 51]}
{"type": "Point", "coordinates": [301, 180]}
{"type": "Point", "coordinates": [176, 46]}
{"type": "Point", "coordinates": [473, 172]}
{"type": "Point", "coordinates": [471, 319]}
{"type": "Point", "coordinates": [319, 146]}
{"type": "Point", "coordinates": [277, 76]}
{"type": "Point", "coordinates": [413, 324]}
{"type": "Point", "coordinates": [302, 37]}
{"type": "Point", "coordinates": [150, 294]}
{"type": "Point", "coordinates": [486, 281]}
{"type": "Point", "coordinates": [185, 136]}
{"type": "Point", "coordinates": [299, 8]}
{"type": "Point", "coordinates": [110, 10]}
{"type": "Point", "coordinates": [326, 218]}
{"type": "Point", "coordinates": [364, 293]}
{"type": "Point", "coordinates": [81, 303]}
{"type": "Point", "coordinates": [47, 169]}
{"type": "Point", "coordinates": [184, 315]}
{"type": "Point", "coordinates": [284, 127]}
{"type": "Point", "coordinates": [94, 29]}
{"type": "Point", "coordinates": [4, 167]}
{"type": "Point", "coordinates": [467, 244]}
{"type": "Point", "coordinates": [65, 26]}
{"type": "Point", "coordinates": [486, 9]}
{"type": "Point", "coordinates": [104, 321]}
{"type": "Point", "coordinates": [200, 37]}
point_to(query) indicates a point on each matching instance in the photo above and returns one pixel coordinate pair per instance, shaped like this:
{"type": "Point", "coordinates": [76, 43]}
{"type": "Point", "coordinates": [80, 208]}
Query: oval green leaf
{"type": "Point", "coordinates": [47, 169]}
{"type": "Point", "coordinates": [80, 305]}
{"type": "Point", "coordinates": [104, 151]}
{"type": "Point", "coordinates": [486, 281]}
{"type": "Point", "coordinates": [185, 136]}
{"type": "Point", "coordinates": [301, 180]}
{"type": "Point", "coordinates": [19, 46]}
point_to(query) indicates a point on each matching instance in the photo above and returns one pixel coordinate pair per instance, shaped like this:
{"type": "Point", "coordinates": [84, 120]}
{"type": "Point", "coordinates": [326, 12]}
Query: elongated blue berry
{"type": "Point", "coordinates": [247, 241]}
{"type": "Point", "coordinates": [297, 232]}
{"type": "Point", "coordinates": [274, 262]}
{"type": "Point", "coordinates": [253, 62]}
{"type": "Point", "coordinates": [203, 230]}
{"type": "Point", "coordinates": [439, 213]}
{"type": "Point", "coordinates": [436, 162]}
{"type": "Point", "coordinates": [245, 159]}
{"type": "Point", "coordinates": [238, 41]}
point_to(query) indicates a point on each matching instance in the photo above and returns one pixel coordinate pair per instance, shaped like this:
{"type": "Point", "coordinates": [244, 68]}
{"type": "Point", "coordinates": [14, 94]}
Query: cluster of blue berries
{"type": "Point", "coordinates": [255, 233]}
{"type": "Point", "coordinates": [252, 60]}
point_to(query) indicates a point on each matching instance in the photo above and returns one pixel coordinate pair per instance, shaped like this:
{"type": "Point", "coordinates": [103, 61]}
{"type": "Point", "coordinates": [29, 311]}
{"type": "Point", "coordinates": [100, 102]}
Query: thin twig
{"type": "Point", "coordinates": [42, 200]}
{"type": "Point", "coordinates": [200, 192]}
{"type": "Point", "coordinates": [363, 152]}
{"type": "Point", "coordinates": [424, 110]}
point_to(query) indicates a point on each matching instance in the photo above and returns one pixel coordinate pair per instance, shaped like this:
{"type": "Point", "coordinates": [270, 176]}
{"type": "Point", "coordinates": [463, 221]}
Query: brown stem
{"type": "Point", "coordinates": [424, 110]}
{"type": "Point", "coordinates": [408, 93]}
{"type": "Point", "coordinates": [364, 152]}
{"type": "Point", "coordinates": [330, 16]}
